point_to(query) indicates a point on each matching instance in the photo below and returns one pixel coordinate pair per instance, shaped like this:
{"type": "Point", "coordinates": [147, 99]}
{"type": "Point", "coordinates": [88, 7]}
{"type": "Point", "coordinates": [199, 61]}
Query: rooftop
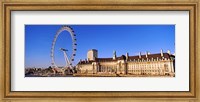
{"type": "Point", "coordinates": [131, 58]}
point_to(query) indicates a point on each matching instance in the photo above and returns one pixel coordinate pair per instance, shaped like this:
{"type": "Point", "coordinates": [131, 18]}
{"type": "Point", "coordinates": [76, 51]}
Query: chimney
{"type": "Point", "coordinates": [146, 54]}
{"type": "Point", "coordinates": [126, 56]}
{"type": "Point", "coordinates": [114, 55]}
{"type": "Point", "coordinates": [168, 52]}
{"type": "Point", "coordinates": [161, 53]}
{"type": "Point", "coordinates": [140, 55]}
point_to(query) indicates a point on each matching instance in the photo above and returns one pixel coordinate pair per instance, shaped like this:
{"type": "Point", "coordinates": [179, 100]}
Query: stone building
{"type": "Point", "coordinates": [160, 64]}
{"type": "Point", "coordinates": [92, 54]}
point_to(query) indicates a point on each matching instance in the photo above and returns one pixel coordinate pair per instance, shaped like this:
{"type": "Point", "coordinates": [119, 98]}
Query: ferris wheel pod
{"type": "Point", "coordinates": [70, 27]}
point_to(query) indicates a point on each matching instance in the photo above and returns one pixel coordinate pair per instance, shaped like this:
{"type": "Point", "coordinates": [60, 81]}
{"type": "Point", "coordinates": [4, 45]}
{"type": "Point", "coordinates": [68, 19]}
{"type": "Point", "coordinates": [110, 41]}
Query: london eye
{"type": "Point", "coordinates": [69, 58]}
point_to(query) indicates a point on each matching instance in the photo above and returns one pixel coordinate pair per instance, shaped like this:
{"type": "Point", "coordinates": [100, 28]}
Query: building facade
{"type": "Point", "coordinates": [160, 64]}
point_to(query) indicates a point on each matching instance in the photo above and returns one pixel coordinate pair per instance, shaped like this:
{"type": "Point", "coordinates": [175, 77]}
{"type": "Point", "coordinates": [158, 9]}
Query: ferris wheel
{"type": "Point", "coordinates": [69, 59]}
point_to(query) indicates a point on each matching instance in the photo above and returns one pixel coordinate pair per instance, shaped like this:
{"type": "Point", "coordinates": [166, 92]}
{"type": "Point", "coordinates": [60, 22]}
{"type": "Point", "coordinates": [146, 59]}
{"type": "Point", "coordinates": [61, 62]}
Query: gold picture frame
{"type": "Point", "coordinates": [47, 5]}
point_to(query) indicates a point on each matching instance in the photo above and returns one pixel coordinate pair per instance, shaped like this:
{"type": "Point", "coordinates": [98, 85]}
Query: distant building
{"type": "Point", "coordinates": [149, 64]}
{"type": "Point", "coordinates": [92, 54]}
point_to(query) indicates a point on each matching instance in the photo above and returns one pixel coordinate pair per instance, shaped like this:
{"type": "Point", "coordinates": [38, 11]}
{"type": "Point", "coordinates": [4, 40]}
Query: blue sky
{"type": "Point", "coordinates": [105, 38]}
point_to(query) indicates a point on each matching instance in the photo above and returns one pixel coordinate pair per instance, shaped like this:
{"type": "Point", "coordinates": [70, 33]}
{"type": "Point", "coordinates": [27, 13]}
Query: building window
{"type": "Point", "coordinates": [166, 67]}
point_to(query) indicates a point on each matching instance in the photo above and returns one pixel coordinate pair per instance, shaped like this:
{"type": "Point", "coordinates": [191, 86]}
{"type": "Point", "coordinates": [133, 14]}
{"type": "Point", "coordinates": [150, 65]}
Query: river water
{"type": "Point", "coordinates": [30, 75]}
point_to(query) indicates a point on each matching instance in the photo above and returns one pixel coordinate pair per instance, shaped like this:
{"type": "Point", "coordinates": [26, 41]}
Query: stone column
{"type": "Point", "coordinates": [118, 67]}
{"type": "Point", "coordinates": [172, 66]}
